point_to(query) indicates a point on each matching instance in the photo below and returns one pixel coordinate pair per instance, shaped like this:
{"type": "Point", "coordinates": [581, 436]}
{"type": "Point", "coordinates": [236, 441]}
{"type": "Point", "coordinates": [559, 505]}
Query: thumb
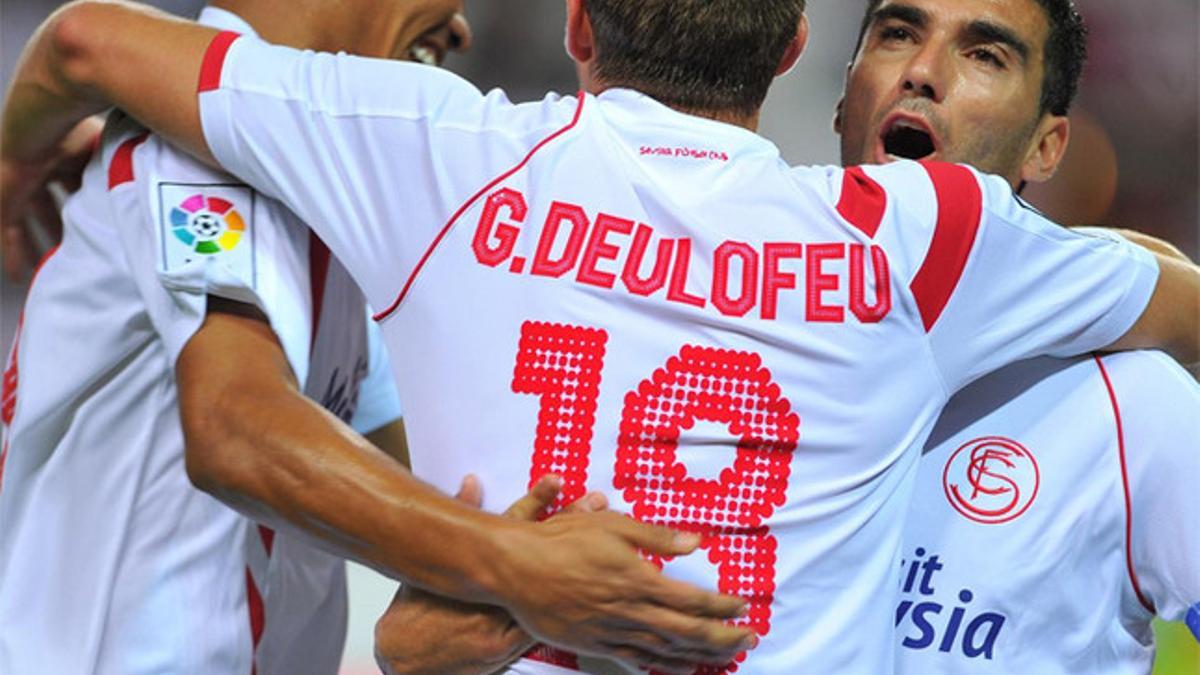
{"type": "Point", "coordinates": [534, 503]}
{"type": "Point", "coordinates": [471, 491]}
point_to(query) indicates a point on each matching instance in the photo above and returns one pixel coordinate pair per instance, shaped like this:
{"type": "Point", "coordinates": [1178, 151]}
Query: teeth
{"type": "Point", "coordinates": [904, 124]}
{"type": "Point", "coordinates": [424, 55]}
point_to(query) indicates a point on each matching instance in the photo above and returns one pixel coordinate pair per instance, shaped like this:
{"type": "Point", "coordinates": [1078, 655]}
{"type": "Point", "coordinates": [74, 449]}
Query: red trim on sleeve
{"type": "Point", "coordinates": [960, 208]}
{"type": "Point", "coordinates": [120, 171]}
{"type": "Point", "coordinates": [214, 61]}
{"type": "Point", "coordinates": [863, 201]}
{"type": "Point", "coordinates": [1133, 578]}
{"type": "Point", "coordinates": [318, 274]}
{"type": "Point", "coordinates": [474, 198]}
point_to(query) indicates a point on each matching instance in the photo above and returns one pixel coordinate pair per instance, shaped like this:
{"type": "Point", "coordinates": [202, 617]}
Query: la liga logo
{"type": "Point", "coordinates": [991, 480]}
{"type": "Point", "coordinates": [209, 225]}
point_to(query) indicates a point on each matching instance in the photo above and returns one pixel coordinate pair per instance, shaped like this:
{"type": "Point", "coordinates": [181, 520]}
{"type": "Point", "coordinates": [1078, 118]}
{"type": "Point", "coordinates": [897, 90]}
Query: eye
{"type": "Point", "coordinates": [987, 57]}
{"type": "Point", "coordinates": [895, 34]}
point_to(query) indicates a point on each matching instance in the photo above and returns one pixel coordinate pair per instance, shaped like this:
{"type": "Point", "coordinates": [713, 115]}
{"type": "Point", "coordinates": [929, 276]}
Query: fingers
{"type": "Point", "coordinates": [44, 208]}
{"type": "Point", "coordinates": [535, 502]}
{"type": "Point", "coordinates": [644, 660]}
{"type": "Point", "coordinates": [470, 491]}
{"type": "Point", "coordinates": [592, 502]}
{"type": "Point", "coordinates": [656, 539]}
{"type": "Point", "coordinates": [693, 601]}
{"type": "Point", "coordinates": [19, 253]}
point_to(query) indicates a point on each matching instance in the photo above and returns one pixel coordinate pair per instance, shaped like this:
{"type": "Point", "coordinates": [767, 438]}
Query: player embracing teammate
{"type": "Point", "coordinates": [623, 339]}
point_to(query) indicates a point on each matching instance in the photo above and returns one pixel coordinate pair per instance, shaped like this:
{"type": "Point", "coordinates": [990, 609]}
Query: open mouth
{"type": "Point", "coordinates": [422, 53]}
{"type": "Point", "coordinates": [906, 139]}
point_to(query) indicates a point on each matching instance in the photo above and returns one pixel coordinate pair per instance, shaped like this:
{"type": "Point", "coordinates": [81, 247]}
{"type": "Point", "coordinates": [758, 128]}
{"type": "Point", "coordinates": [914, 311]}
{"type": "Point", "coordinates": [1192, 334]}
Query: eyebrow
{"type": "Point", "coordinates": [914, 16]}
{"type": "Point", "coordinates": [987, 31]}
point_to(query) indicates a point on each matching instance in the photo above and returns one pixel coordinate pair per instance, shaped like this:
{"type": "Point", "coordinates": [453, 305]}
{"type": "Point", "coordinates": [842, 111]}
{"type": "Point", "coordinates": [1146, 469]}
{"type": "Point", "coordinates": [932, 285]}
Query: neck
{"type": "Point", "coordinates": [283, 22]}
{"type": "Point", "coordinates": [746, 121]}
{"type": "Point", "coordinates": [738, 120]}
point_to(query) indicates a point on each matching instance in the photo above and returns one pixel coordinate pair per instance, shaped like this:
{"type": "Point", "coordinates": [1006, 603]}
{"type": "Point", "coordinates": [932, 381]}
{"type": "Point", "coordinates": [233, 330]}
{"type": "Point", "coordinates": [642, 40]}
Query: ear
{"type": "Point", "coordinates": [837, 116]}
{"type": "Point", "coordinates": [580, 45]}
{"type": "Point", "coordinates": [795, 48]}
{"type": "Point", "coordinates": [1048, 149]}
{"type": "Point", "coordinates": [841, 104]}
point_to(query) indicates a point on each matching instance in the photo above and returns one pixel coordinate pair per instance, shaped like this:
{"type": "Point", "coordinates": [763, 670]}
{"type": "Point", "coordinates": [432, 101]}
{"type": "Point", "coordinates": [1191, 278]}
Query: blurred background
{"type": "Point", "coordinates": [1134, 158]}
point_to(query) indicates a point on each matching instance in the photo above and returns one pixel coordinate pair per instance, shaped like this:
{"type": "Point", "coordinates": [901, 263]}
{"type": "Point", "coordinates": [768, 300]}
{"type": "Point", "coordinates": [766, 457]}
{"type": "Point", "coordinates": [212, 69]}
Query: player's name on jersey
{"type": "Point", "coordinates": [608, 251]}
{"type": "Point", "coordinates": [925, 621]}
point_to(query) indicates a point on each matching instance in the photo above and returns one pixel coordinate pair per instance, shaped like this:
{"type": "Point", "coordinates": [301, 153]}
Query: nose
{"type": "Point", "coordinates": [924, 75]}
{"type": "Point", "coordinates": [460, 37]}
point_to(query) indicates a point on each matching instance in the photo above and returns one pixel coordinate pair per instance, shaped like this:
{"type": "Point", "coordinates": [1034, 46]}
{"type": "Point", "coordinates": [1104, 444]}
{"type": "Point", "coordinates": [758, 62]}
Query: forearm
{"type": "Point", "coordinates": [392, 440]}
{"type": "Point", "coordinates": [42, 105]}
{"type": "Point", "coordinates": [74, 66]}
{"type": "Point", "coordinates": [1172, 321]}
{"type": "Point", "coordinates": [263, 448]}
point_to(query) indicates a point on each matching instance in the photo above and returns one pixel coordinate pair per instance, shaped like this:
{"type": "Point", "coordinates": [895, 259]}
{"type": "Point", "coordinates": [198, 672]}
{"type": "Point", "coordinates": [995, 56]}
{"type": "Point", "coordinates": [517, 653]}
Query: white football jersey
{"type": "Point", "coordinates": [1055, 516]}
{"type": "Point", "coordinates": [110, 561]}
{"type": "Point", "coordinates": [656, 306]}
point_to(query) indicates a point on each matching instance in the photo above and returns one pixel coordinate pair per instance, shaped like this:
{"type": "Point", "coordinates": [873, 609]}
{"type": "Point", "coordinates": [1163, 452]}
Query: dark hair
{"type": "Point", "coordinates": [1065, 52]}
{"type": "Point", "coordinates": [699, 55]}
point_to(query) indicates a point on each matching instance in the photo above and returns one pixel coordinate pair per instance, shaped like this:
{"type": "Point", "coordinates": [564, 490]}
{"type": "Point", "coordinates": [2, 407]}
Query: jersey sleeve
{"type": "Point", "coordinates": [377, 156]}
{"type": "Point", "coordinates": [191, 232]}
{"type": "Point", "coordinates": [1158, 404]}
{"type": "Point", "coordinates": [378, 398]}
{"type": "Point", "coordinates": [997, 282]}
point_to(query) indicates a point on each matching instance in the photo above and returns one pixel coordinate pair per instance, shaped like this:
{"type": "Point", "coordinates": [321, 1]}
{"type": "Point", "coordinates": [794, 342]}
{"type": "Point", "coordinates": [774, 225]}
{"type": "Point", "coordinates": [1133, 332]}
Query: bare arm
{"type": "Point", "coordinates": [391, 439]}
{"type": "Point", "coordinates": [1174, 310]}
{"type": "Point", "coordinates": [83, 59]}
{"type": "Point", "coordinates": [255, 442]}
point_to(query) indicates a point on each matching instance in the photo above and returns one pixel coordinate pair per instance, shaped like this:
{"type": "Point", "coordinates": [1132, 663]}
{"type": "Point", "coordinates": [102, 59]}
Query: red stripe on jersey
{"type": "Point", "coordinates": [267, 535]}
{"type": "Point", "coordinates": [1133, 578]}
{"type": "Point", "coordinates": [553, 656]}
{"type": "Point", "coordinates": [120, 171]}
{"type": "Point", "coordinates": [214, 61]}
{"type": "Point", "coordinates": [960, 207]}
{"type": "Point", "coordinates": [863, 201]}
{"type": "Point", "coordinates": [318, 274]}
{"type": "Point", "coordinates": [467, 205]}
{"type": "Point", "coordinates": [258, 616]}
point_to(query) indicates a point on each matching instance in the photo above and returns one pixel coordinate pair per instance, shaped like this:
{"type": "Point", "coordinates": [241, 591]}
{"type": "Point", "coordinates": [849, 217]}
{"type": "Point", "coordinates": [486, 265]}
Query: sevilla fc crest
{"type": "Point", "coordinates": [991, 480]}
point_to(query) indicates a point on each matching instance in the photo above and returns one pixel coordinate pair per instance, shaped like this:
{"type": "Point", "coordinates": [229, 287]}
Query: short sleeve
{"type": "Point", "coordinates": [376, 156]}
{"type": "Point", "coordinates": [999, 283]}
{"type": "Point", "coordinates": [378, 398]}
{"type": "Point", "coordinates": [190, 232]}
{"type": "Point", "coordinates": [1158, 404]}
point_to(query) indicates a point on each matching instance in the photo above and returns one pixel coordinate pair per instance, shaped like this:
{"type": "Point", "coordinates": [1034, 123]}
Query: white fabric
{"type": "Point", "coordinates": [1049, 591]}
{"type": "Point", "coordinates": [110, 561]}
{"type": "Point", "coordinates": [382, 168]}
{"type": "Point", "coordinates": [378, 400]}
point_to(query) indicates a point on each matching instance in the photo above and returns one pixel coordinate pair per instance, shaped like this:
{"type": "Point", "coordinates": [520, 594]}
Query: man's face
{"type": "Point", "coordinates": [953, 80]}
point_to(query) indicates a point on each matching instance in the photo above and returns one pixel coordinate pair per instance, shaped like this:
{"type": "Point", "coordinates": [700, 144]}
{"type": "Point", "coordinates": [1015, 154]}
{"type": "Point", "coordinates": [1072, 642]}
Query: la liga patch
{"type": "Point", "coordinates": [199, 222]}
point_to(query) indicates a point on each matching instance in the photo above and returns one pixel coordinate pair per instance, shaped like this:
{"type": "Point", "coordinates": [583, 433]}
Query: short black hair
{"type": "Point", "coordinates": [697, 55]}
{"type": "Point", "coordinates": [1065, 52]}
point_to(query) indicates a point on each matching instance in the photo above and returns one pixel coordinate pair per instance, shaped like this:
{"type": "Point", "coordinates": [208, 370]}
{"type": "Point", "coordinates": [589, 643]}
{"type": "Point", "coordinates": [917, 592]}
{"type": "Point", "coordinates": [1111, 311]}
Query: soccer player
{"type": "Point", "coordinates": [1055, 513]}
{"type": "Point", "coordinates": [632, 284]}
{"type": "Point", "coordinates": [104, 546]}
{"type": "Point", "coordinates": [1002, 486]}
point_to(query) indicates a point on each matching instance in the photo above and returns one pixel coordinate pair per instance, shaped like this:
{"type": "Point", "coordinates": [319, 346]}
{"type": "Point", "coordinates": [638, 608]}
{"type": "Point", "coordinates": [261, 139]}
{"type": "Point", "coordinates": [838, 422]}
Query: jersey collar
{"type": "Point", "coordinates": [646, 108]}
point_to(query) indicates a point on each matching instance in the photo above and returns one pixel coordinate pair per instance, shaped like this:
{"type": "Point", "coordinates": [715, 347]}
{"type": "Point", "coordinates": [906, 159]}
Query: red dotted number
{"type": "Point", "coordinates": [562, 365]}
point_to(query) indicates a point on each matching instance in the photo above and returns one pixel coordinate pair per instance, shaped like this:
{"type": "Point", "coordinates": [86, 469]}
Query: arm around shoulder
{"type": "Point", "coordinates": [1171, 320]}
{"type": "Point", "coordinates": [90, 55]}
